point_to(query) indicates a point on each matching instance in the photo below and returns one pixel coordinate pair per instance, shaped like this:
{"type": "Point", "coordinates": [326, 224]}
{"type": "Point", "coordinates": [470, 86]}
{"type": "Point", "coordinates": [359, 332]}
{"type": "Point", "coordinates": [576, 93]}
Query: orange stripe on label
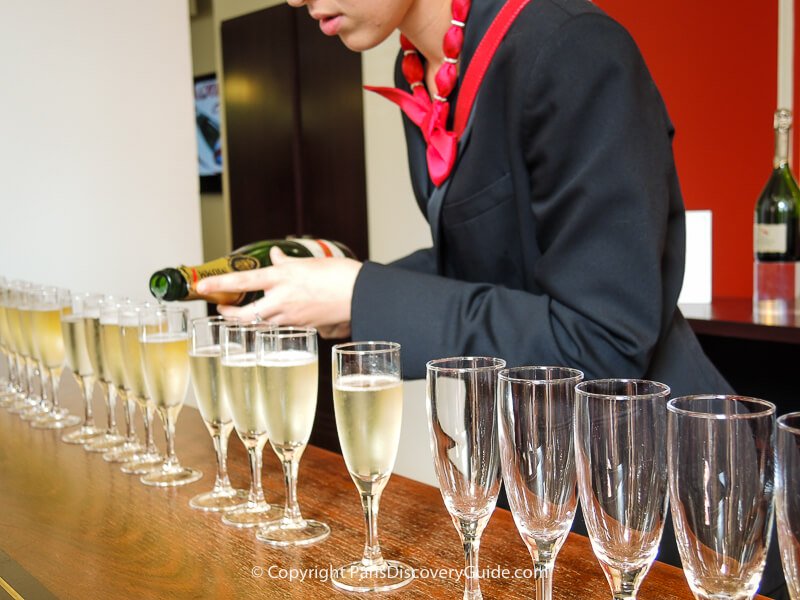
{"type": "Point", "coordinates": [194, 275]}
{"type": "Point", "coordinates": [325, 249]}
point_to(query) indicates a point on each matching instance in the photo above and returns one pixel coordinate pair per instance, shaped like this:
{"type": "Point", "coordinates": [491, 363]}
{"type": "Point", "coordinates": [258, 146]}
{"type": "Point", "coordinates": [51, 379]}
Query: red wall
{"type": "Point", "coordinates": [715, 63]}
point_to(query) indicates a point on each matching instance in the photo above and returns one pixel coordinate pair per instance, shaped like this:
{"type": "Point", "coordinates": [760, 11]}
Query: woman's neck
{"type": "Point", "coordinates": [425, 25]}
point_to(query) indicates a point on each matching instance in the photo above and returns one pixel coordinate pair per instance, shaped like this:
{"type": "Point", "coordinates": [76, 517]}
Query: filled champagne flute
{"type": "Point", "coordinates": [536, 413]}
{"type": "Point", "coordinates": [787, 498]}
{"type": "Point", "coordinates": [39, 403]}
{"type": "Point", "coordinates": [721, 475]}
{"type": "Point", "coordinates": [248, 408]}
{"type": "Point", "coordinates": [94, 345]}
{"type": "Point", "coordinates": [204, 362]}
{"type": "Point", "coordinates": [9, 391]}
{"type": "Point", "coordinates": [146, 458]}
{"type": "Point", "coordinates": [620, 428]}
{"type": "Point", "coordinates": [462, 421]}
{"type": "Point", "coordinates": [49, 304]}
{"type": "Point", "coordinates": [14, 300]}
{"type": "Point", "coordinates": [288, 372]}
{"type": "Point", "coordinates": [164, 334]}
{"type": "Point", "coordinates": [111, 342]}
{"type": "Point", "coordinates": [77, 359]}
{"type": "Point", "coordinates": [368, 405]}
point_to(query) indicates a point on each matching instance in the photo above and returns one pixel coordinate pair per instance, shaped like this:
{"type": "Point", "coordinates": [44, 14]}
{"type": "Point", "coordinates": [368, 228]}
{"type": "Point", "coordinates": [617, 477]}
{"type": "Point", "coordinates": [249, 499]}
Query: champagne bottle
{"type": "Point", "coordinates": [776, 235]}
{"type": "Point", "coordinates": [180, 283]}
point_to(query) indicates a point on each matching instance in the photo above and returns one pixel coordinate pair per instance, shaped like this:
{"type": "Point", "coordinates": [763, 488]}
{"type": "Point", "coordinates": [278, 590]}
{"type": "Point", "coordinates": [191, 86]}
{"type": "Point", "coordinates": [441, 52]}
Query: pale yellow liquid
{"type": "Point", "coordinates": [94, 347]}
{"type": "Point", "coordinates": [14, 328]}
{"type": "Point", "coordinates": [132, 363]}
{"type": "Point", "coordinates": [4, 335]}
{"type": "Point", "coordinates": [206, 381]}
{"type": "Point", "coordinates": [26, 329]}
{"type": "Point", "coordinates": [111, 342]}
{"type": "Point", "coordinates": [165, 359]}
{"type": "Point", "coordinates": [289, 383]}
{"type": "Point", "coordinates": [245, 398]}
{"type": "Point", "coordinates": [74, 333]}
{"type": "Point", "coordinates": [369, 410]}
{"type": "Point", "coordinates": [49, 337]}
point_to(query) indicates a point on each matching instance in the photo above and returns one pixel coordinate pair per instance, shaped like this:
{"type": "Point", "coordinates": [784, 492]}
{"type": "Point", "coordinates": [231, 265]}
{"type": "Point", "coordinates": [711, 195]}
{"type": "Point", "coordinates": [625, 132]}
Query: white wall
{"type": "Point", "coordinates": [98, 162]}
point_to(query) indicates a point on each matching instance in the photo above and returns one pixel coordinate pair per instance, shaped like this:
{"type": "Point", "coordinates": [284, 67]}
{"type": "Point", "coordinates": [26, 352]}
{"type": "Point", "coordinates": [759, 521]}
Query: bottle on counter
{"type": "Point", "coordinates": [180, 283]}
{"type": "Point", "coordinates": [776, 235]}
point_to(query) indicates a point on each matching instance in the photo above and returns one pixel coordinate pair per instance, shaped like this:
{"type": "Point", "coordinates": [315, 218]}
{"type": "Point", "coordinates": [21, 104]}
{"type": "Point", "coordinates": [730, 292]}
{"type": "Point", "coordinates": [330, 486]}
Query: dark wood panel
{"type": "Point", "coordinates": [734, 318]}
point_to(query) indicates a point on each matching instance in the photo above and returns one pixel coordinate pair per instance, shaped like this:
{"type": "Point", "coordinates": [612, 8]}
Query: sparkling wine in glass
{"type": "Point", "coordinates": [721, 475]}
{"type": "Point", "coordinates": [14, 302]}
{"type": "Point", "coordinates": [620, 428]}
{"type": "Point", "coordinates": [8, 389]}
{"type": "Point", "coordinates": [204, 361]}
{"type": "Point", "coordinates": [164, 335]}
{"type": "Point", "coordinates": [248, 407]}
{"type": "Point", "coordinates": [462, 421]}
{"type": "Point", "coordinates": [368, 405]}
{"type": "Point", "coordinates": [147, 458]}
{"type": "Point", "coordinates": [787, 498]}
{"type": "Point", "coordinates": [288, 369]}
{"type": "Point", "coordinates": [39, 404]}
{"type": "Point", "coordinates": [536, 411]}
{"type": "Point", "coordinates": [94, 346]}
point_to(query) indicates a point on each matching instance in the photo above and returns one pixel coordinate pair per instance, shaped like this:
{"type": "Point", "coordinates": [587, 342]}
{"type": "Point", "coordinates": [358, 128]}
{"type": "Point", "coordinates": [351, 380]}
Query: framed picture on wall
{"type": "Point", "coordinates": [209, 138]}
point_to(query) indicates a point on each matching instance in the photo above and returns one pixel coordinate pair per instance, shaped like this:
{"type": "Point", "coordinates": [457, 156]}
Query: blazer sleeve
{"type": "Point", "coordinates": [597, 145]}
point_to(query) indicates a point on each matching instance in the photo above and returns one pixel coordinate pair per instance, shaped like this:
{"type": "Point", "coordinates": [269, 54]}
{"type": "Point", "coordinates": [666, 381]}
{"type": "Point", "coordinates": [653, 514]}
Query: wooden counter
{"type": "Point", "coordinates": [734, 318]}
{"type": "Point", "coordinates": [74, 526]}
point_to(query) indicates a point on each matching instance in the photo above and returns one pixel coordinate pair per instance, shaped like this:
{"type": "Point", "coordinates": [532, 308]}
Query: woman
{"type": "Point", "coordinates": [559, 229]}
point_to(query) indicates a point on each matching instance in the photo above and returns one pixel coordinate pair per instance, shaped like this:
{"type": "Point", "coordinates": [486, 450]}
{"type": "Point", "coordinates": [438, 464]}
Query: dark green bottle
{"type": "Point", "coordinates": [180, 283]}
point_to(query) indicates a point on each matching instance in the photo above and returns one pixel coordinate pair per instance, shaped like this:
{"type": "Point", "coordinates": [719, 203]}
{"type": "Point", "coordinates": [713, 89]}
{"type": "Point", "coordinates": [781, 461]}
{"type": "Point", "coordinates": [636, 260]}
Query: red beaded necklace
{"type": "Point", "coordinates": [431, 116]}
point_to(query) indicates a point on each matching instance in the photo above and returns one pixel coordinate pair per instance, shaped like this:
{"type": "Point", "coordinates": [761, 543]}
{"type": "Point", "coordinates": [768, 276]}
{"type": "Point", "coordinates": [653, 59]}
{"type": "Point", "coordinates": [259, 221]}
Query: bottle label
{"type": "Point", "coordinates": [220, 266]}
{"type": "Point", "coordinates": [320, 248]}
{"type": "Point", "coordinates": [770, 238]}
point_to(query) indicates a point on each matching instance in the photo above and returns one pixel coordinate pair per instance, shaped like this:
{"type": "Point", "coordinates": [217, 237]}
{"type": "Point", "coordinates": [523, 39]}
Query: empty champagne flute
{"type": "Point", "coordinates": [77, 359]}
{"type": "Point", "coordinates": [536, 416]}
{"type": "Point", "coordinates": [462, 421]}
{"type": "Point", "coordinates": [204, 361]}
{"type": "Point", "coordinates": [146, 458]}
{"type": "Point", "coordinates": [620, 428]}
{"type": "Point", "coordinates": [164, 337]}
{"type": "Point", "coordinates": [787, 498]}
{"type": "Point", "coordinates": [721, 474]}
{"type": "Point", "coordinates": [288, 371]}
{"type": "Point", "coordinates": [368, 406]}
{"type": "Point", "coordinates": [248, 408]}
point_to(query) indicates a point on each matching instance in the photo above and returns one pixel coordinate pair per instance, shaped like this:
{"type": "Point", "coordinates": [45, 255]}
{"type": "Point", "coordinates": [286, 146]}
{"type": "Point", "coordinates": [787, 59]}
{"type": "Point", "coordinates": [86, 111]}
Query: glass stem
{"type": "Point", "coordinates": [21, 375]}
{"type": "Point", "coordinates": [222, 482]}
{"type": "Point", "coordinates": [46, 400]}
{"type": "Point", "coordinates": [31, 371]}
{"type": "Point", "coordinates": [111, 402]}
{"type": "Point", "coordinates": [171, 463]}
{"type": "Point", "coordinates": [54, 375]}
{"type": "Point", "coordinates": [147, 418]}
{"type": "Point", "coordinates": [543, 573]}
{"type": "Point", "coordinates": [130, 432]}
{"type": "Point", "coordinates": [256, 494]}
{"type": "Point", "coordinates": [291, 509]}
{"type": "Point", "coordinates": [87, 387]}
{"type": "Point", "coordinates": [471, 540]}
{"type": "Point", "coordinates": [370, 503]}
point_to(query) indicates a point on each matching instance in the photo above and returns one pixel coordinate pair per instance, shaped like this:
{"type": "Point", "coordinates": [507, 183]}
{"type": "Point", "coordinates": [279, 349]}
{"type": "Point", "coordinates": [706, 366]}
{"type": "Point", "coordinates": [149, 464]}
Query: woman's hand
{"type": "Point", "coordinates": [312, 292]}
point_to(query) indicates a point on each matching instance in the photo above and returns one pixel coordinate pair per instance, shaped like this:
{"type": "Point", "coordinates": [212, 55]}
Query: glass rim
{"type": "Point", "coordinates": [769, 407]}
{"type": "Point", "coordinates": [368, 347]}
{"type": "Point", "coordinates": [286, 331]}
{"type": "Point", "coordinates": [436, 365]}
{"type": "Point", "coordinates": [506, 374]}
{"type": "Point", "coordinates": [661, 393]}
{"type": "Point", "coordinates": [244, 325]}
{"type": "Point", "coordinates": [782, 424]}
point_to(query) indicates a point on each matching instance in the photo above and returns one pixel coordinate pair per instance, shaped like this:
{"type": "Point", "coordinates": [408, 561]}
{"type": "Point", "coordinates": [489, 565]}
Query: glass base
{"type": "Point", "coordinates": [124, 453]}
{"type": "Point", "coordinates": [260, 513]}
{"type": "Point", "coordinates": [21, 405]}
{"type": "Point", "coordinates": [58, 420]}
{"type": "Point", "coordinates": [32, 413]}
{"type": "Point", "coordinates": [82, 435]}
{"type": "Point", "coordinates": [357, 577]}
{"type": "Point", "coordinates": [104, 442]}
{"type": "Point", "coordinates": [171, 477]}
{"type": "Point", "coordinates": [287, 533]}
{"type": "Point", "coordinates": [218, 501]}
{"type": "Point", "coordinates": [141, 464]}
{"type": "Point", "coordinates": [7, 398]}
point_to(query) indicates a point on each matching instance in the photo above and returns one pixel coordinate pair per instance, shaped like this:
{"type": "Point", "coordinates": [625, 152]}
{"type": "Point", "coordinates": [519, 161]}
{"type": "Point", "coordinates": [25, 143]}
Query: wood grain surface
{"type": "Point", "coordinates": [85, 530]}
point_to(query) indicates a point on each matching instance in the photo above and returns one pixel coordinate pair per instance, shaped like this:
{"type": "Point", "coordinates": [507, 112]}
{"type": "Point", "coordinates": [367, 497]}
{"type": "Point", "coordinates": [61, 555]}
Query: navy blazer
{"type": "Point", "coordinates": [559, 236]}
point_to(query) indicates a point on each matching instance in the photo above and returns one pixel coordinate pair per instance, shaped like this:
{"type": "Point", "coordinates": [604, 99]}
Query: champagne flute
{"type": "Point", "coordinates": [164, 334]}
{"type": "Point", "coordinates": [14, 299]}
{"type": "Point", "coordinates": [38, 403]}
{"type": "Point", "coordinates": [787, 498]}
{"type": "Point", "coordinates": [287, 372]}
{"type": "Point", "coordinates": [368, 405]}
{"type": "Point", "coordinates": [48, 307]}
{"type": "Point", "coordinates": [111, 342]}
{"type": "Point", "coordinates": [248, 407]}
{"type": "Point", "coordinates": [536, 418]}
{"type": "Point", "coordinates": [721, 473]}
{"type": "Point", "coordinates": [462, 421]}
{"type": "Point", "coordinates": [204, 362]}
{"type": "Point", "coordinates": [145, 459]}
{"type": "Point", "coordinates": [93, 305]}
{"type": "Point", "coordinates": [620, 428]}
{"type": "Point", "coordinates": [77, 359]}
{"type": "Point", "coordinates": [9, 394]}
